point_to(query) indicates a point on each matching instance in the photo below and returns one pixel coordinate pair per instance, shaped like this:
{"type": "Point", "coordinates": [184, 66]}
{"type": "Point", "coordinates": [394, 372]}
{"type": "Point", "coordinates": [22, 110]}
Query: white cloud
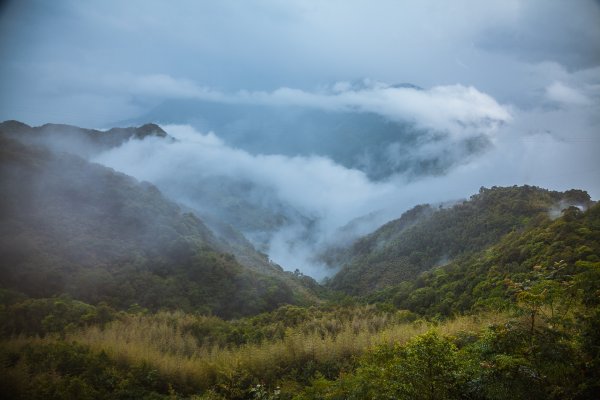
{"type": "Point", "coordinates": [561, 93]}
{"type": "Point", "coordinates": [315, 185]}
{"type": "Point", "coordinates": [538, 147]}
{"type": "Point", "coordinates": [458, 110]}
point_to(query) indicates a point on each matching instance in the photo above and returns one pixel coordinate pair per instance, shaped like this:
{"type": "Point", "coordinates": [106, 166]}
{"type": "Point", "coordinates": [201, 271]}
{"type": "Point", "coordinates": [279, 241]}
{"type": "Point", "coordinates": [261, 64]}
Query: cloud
{"type": "Point", "coordinates": [538, 147]}
{"type": "Point", "coordinates": [458, 110]}
{"type": "Point", "coordinates": [455, 109]}
{"type": "Point", "coordinates": [314, 187]}
{"type": "Point", "coordinates": [153, 49]}
{"type": "Point", "coordinates": [538, 32]}
{"type": "Point", "coordinates": [561, 93]}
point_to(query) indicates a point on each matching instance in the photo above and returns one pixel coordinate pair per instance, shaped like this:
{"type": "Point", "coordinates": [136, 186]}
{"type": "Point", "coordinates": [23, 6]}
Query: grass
{"type": "Point", "coordinates": [163, 342]}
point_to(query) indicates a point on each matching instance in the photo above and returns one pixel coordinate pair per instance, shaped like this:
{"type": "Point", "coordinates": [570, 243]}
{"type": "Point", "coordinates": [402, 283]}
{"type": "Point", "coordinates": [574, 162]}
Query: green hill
{"type": "Point", "coordinates": [561, 249]}
{"type": "Point", "coordinates": [426, 237]}
{"type": "Point", "coordinates": [512, 315]}
{"type": "Point", "coordinates": [110, 290]}
{"type": "Point", "coordinates": [72, 227]}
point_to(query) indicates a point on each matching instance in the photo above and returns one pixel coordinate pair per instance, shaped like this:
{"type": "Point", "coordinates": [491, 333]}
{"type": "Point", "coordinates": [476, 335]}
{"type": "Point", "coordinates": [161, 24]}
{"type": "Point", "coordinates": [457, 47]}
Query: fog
{"type": "Point", "coordinates": [318, 197]}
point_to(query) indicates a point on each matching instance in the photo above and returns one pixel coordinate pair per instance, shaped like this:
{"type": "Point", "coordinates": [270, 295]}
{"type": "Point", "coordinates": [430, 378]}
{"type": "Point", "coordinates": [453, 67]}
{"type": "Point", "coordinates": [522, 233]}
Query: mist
{"type": "Point", "coordinates": [308, 200]}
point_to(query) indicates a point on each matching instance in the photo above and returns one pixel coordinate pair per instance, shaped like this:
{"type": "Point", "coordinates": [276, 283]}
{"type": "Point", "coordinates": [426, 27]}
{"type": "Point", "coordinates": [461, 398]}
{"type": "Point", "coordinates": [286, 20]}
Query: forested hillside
{"type": "Point", "coordinates": [76, 228]}
{"type": "Point", "coordinates": [517, 320]}
{"type": "Point", "coordinates": [110, 290]}
{"type": "Point", "coordinates": [561, 249]}
{"type": "Point", "coordinates": [300, 200]}
{"type": "Point", "coordinates": [427, 236]}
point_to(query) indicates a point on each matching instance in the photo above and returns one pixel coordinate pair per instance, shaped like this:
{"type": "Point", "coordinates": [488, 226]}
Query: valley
{"type": "Point", "coordinates": [299, 200]}
{"type": "Point", "coordinates": [112, 289]}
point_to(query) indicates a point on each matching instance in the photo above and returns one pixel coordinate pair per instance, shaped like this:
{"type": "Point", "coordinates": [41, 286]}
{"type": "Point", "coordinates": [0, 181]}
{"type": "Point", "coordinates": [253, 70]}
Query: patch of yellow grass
{"type": "Point", "coordinates": [160, 342]}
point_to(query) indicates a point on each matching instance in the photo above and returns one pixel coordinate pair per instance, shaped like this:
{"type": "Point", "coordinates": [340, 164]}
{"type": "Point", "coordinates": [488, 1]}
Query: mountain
{"type": "Point", "coordinates": [372, 143]}
{"type": "Point", "coordinates": [518, 319]}
{"type": "Point", "coordinates": [110, 290]}
{"type": "Point", "coordinates": [566, 248]}
{"type": "Point", "coordinates": [427, 236]}
{"type": "Point", "coordinates": [225, 203]}
{"type": "Point", "coordinates": [68, 226]}
{"type": "Point", "coordinates": [72, 139]}
{"type": "Point", "coordinates": [229, 206]}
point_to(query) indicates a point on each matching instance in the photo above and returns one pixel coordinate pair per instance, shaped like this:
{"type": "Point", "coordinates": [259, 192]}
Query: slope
{"type": "Point", "coordinates": [426, 237]}
{"type": "Point", "coordinates": [566, 249]}
{"type": "Point", "coordinates": [70, 226]}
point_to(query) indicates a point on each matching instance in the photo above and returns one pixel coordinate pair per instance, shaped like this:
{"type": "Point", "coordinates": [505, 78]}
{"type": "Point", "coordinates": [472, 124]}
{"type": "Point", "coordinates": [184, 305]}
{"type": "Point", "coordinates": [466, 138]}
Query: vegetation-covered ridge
{"type": "Point", "coordinates": [81, 141]}
{"type": "Point", "coordinates": [426, 236]}
{"type": "Point", "coordinates": [531, 331]}
{"type": "Point", "coordinates": [563, 248]}
{"type": "Point", "coordinates": [73, 227]}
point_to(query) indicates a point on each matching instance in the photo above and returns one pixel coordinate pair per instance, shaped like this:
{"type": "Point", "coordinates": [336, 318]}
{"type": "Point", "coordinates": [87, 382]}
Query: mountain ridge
{"type": "Point", "coordinates": [425, 237]}
{"type": "Point", "coordinates": [70, 226]}
{"type": "Point", "coordinates": [84, 142]}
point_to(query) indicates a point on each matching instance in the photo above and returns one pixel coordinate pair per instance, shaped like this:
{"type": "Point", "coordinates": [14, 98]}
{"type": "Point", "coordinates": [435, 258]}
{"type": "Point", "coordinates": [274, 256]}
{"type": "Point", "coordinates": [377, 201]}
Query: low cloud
{"type": "Point", "coordinates": [456, 109]}
{"type": "Point", "coordinates": [538, 147]}
{"type": "Point", "coordinates": [315, 188]}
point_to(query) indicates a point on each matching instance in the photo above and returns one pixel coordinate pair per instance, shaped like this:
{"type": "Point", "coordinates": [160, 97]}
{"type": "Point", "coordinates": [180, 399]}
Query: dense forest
{"type": "Point", "coordinates": [109, 290]}
{"type": "Point", "coordinates": [77, 228]}
{"type": "Point", "coordinates": [426, 236]}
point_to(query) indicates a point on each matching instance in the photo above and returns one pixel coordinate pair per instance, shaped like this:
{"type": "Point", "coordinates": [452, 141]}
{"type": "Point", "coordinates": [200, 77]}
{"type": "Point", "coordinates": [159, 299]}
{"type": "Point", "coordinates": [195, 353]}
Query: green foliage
{"type": "Point", "coordinates": [55, 315]}
{"type": "Point", "coordinates": [547, 259]}
{"type": "Point", "coordinates": [60, 370]}
{"type": "Point", "coordinates": [425, 237]}
{"type": "Point", "coordinates": [425, 368]}
{"type": "Point", "coordinates": [547, 274]}
{"type": "Point", "coordinates": [119, 245]}
{"type": "Point", "coordinates": [76, 228]}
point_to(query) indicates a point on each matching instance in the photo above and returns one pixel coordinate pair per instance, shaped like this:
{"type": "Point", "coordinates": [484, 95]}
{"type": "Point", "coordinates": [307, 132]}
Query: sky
{"type": "Point", "coordinates": [524, 74]}
{"type": "Point", "coordinates": [95, 62]}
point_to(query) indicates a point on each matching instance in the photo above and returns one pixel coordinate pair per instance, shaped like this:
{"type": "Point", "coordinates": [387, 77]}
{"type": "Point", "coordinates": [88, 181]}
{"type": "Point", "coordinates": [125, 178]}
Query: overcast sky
{"type": "Point", "coordinates": [96, 62]}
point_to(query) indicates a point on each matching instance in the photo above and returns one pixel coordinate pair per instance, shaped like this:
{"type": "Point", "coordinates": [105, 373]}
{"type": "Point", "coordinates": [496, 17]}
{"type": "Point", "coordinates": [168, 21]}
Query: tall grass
{"type": "Point", "coordinates": [162, 341]}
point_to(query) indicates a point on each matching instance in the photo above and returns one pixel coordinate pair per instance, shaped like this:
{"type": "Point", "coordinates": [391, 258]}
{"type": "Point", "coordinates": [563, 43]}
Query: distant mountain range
{"type": "Point", "coordinates": [80, 141]}
{"type": "Point", "coordinates": [365, 141]}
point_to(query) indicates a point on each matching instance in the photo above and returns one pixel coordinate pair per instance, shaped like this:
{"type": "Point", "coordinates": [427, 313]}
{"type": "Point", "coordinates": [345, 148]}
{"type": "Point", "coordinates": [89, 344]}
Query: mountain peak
{"type": "Point", "coordinates": [81, 141]}
{"type": "Point", "coordinates": [149, 129]}
{"type": "Point", "coordinates": [13, 126]}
